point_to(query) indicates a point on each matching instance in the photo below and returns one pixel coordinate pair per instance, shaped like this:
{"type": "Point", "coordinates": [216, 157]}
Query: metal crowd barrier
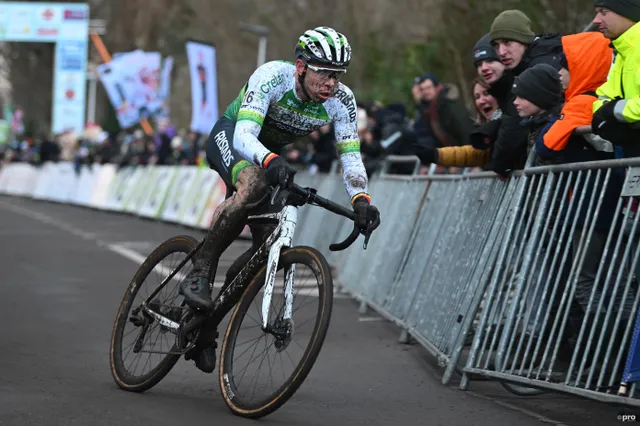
{"type": "Point", "coordinates": [565, 291]}
{"type": "Point", "coordinates": [529, 280]}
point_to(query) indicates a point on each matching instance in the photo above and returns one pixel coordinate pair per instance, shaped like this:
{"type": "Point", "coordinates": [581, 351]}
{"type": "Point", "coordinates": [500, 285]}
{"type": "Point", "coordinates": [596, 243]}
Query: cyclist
{"type": "Point", "coordinates": [281, 101]}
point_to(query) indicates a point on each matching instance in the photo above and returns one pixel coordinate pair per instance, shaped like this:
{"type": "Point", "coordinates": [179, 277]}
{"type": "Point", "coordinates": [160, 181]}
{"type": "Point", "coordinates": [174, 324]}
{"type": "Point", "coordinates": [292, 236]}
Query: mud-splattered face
{"type": "Point", "coordinates": [319, 83]}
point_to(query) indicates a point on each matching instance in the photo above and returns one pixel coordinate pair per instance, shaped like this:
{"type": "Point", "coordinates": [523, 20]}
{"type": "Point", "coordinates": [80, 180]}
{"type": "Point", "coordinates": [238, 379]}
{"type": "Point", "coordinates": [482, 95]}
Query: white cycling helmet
{"type": "Point", "coordinates": [324, 46]}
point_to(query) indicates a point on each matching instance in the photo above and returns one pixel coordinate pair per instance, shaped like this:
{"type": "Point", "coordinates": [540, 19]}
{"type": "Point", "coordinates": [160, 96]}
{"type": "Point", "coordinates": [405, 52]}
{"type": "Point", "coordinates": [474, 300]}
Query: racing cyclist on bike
{"type": "Point", "coordinates": [281, 102]}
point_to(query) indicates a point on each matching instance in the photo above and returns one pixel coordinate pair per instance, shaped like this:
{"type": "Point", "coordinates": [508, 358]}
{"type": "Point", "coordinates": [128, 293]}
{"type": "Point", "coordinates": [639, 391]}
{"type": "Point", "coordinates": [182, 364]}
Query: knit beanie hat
{"type": "Point", "coordinates": [539, 85]}
{"type": "Point", "coordinates": [513, 25]}
{"type": "Point", "coordinates": [630, 9]}
{"type": "Point", "coordinates": [483, 51]}
{"type": "Point", "coordinates": [426, 76]}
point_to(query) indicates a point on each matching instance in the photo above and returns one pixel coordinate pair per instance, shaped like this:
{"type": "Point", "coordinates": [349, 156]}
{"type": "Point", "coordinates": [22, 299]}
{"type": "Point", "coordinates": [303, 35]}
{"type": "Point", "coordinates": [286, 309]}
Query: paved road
{"type": "Point", "coordinates": [61, 286]}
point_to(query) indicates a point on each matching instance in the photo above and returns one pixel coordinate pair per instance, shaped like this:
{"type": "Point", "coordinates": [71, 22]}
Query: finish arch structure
{"type": "Point", "coordinates": [66, 25]}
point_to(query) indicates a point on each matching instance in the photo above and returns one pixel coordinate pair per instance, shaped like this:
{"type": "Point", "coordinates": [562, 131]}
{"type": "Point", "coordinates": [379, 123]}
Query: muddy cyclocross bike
{"type": "Point", "coordinates": [158, 315]}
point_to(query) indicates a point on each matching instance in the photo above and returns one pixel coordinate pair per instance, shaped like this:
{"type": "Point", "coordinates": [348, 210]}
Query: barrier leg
{"type": "Point", "coordinates": [362, 310]}
{"type": "Point", "coordinates": [404, 337]}
{"type": "Point", "coordinates": [464, 383]}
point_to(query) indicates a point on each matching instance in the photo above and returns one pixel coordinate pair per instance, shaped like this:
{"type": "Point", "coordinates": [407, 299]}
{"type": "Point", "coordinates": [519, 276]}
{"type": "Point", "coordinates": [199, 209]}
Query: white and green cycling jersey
{"type": "Point", "coordinates": [269, 116]}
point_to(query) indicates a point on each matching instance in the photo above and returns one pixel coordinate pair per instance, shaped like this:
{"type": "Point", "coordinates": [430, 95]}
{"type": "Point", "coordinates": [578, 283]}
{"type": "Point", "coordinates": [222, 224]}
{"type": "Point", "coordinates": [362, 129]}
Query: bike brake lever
{"type": "Point", "coordinates": [366, 239]}
{"type": "Point", "coordinates": [276, 190]}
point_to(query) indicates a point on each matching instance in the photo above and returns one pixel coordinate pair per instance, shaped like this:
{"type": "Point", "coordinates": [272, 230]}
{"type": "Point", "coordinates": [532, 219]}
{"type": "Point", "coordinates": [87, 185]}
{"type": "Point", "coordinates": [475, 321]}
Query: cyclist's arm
{"type": "Point", "coordinates": [251, 114]}
{"type": "Point", "coordinates": [354, 174]}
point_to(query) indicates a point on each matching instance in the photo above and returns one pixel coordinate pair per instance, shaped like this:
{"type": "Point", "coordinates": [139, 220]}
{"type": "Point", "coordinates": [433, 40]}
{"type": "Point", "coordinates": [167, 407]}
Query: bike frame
{"type": "Point", "coordinates": [286, 219]}
{"type": "Point", "coordinates": [280, 238]}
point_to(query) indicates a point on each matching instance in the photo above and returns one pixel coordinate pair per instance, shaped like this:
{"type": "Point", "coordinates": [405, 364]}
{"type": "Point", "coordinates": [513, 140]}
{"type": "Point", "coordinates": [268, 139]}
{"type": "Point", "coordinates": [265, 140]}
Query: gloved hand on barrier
{"type": "Point", "coordinates": [426, 154]}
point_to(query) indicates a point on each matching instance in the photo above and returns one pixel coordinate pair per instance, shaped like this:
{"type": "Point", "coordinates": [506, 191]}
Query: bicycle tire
{"type": "Point", "coordinates": [178, 244]}
{"type": "Point", "coordinates": [522, 390]}
{"type": "Point", "coordinates": [517, 389]}
{"type": "Point", "coordinates": [300, 255]}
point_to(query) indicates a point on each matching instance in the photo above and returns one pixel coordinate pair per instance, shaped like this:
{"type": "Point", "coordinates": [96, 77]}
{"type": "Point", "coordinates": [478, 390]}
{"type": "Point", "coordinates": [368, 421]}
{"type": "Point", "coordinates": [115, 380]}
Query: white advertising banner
{"type": "Point", "coordinates": [88, 179]}
{"type": "Point", "coordinates": [185, 179]}
{"type": "Point", "coordinates": [204, 86]}
{"type": "Point", "coordinates": [118, 188]}
{"type": "Point", "coordinates": [157, 192]}
{"type": "Point", "coordinates": [197, 198]}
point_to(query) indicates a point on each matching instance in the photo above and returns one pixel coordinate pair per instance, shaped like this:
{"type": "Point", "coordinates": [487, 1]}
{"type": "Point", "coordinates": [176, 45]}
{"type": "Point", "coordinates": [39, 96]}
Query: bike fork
{"type": "Point", "coordinates": [284, 240]}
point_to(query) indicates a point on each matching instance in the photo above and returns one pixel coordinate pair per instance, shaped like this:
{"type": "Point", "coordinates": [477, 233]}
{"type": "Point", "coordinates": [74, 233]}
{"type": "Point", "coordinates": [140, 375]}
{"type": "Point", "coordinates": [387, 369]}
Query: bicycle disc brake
{"type": "Point", "coordinates": [282, 330]}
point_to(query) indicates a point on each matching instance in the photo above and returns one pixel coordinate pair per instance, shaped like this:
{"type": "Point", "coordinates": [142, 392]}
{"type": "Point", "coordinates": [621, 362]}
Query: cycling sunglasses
{"type": "Point", "coordinates": [328, 72]}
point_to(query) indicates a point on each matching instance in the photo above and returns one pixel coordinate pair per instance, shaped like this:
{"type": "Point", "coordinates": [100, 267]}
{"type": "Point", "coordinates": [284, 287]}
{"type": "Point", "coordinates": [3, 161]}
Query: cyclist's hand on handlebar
{"type": "Point", "coordinates": [279, 173]}
{"type": "Point", "coordinates": [367, 217]}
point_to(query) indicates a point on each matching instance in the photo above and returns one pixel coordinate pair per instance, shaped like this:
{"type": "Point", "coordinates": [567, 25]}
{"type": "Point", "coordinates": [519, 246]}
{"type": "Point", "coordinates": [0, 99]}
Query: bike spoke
{"type": "Point", "coordinates": [270, 371]}
{"type": "Point", "coordinates": [244, 370]}
{"type": "Point", "coordinates": [259, 367]}
{"type": "Point", "coordinates": [150, 355]}
{"type": "Point", "coordinates": [249, 341]}
{"type": "Point", "coordinates": [290, 359]}
{"type": "Point", "coordinates": [284, 376]}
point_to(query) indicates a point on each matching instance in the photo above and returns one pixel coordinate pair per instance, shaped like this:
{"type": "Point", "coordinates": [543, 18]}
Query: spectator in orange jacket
{"type": "Point", "coordinates": [583, 68]}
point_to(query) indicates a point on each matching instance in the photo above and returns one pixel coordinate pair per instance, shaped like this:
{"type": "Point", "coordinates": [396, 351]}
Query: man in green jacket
{"type": "Point", "coordinates": [616, 115]}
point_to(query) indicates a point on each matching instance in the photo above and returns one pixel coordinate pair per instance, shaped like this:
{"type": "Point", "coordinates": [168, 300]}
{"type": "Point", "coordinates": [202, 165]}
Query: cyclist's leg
{"type": "Point", "coordinates": [226, 224]}
{"type": "Point", "coordinates": [259, 234]}
{"type": "Point", "coordinates": [229, 218]}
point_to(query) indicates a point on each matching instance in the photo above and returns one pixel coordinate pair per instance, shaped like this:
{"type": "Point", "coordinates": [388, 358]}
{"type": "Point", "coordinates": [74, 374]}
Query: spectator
{"type": "Point", "coordinates": [162, 139]}
{"type": "Point", "coordinates": [193, 139]}
{"type": "Point", "coordinates": [420, 128]}
{"type": "Point", "coordinates": [466, 155]}
{"type": "Point", "coordinates": [489, 67]}
{"type": "Point", "coordinates": [583, 67]}
{"type": "Point", "coordinates": [539, 99]}
{"type": "Point", "coordinates": [616, 112]}
{"type": "Point", "coordinates": [67, 142]}
{"type": "Point", "coordinates": [179, 156]}
{"type": "Point", "coordinates": [518, 48]}
{"type": "Point", "coordinates": [370, 149]}
{"type": "Point", "coordinates": [394, 136]}
{"type": "Point", "coordinates": [616, 119]}
{"type": "Point", "coordinates": [486, 105]}
{"type": "Point", "coordinates": [446, 119]}
{"type": "Point", "coordinates": [49, 150]}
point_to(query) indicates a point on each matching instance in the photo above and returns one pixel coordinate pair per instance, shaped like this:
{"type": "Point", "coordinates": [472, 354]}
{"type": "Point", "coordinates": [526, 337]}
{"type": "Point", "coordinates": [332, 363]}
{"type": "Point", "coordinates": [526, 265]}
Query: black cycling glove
{"type": "Point", "coordinates": [426, 154]}
{"type": "Point", "coordinates": [279, 173]}
{"type": "Point", "coordinates": [367, 217]}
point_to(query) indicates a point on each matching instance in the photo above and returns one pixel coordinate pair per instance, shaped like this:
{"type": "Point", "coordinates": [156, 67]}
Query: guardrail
{"type": "Point", "coordinates": [529, 280]}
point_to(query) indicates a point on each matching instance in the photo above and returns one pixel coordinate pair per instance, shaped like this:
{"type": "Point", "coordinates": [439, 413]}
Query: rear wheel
{"type": "Point", "coordinates": [518, 389]}
{"type": "Point", "coordinates": [246, 344]}
{"type": "Point", "coordinates": [137, 334]}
